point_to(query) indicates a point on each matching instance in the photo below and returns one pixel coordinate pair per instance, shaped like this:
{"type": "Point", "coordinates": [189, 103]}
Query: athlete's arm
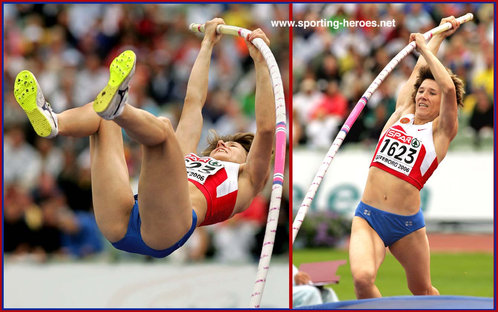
{"type": "Point", "coordinates": [258, 159]}
{"type": "Point", "coordinates": [447, 126]}
{"type": "Point", "coordinates": [404, 100]}
{"type": "Point", "coordinates": [189, 127]}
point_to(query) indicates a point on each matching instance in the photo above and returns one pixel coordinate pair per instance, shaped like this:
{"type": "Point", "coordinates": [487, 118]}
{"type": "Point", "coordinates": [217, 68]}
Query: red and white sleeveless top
{"type": "Point", "coordinates": [407, 151]}
{"type": "Point", "coordinates": [218, 181]}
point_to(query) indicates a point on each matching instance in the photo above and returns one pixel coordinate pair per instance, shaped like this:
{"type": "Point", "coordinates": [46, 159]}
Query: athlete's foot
{"type": "Point", "coordinates": [30, 97]}
{"type": "Point", "coordinates": [111, 100]}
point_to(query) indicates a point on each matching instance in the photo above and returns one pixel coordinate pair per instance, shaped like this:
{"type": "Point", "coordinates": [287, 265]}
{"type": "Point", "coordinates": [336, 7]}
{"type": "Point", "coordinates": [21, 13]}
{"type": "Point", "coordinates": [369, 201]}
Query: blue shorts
{"type": "Point", "coordinates": [390, 227]}
{"type": "Point", "coordinates": [133, 242]}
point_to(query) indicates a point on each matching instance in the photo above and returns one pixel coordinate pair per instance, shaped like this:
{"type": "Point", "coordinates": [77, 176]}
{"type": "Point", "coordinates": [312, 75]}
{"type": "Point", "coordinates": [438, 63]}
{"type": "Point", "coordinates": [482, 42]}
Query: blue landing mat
{"type": "Point", "coordinates": [409, 302]}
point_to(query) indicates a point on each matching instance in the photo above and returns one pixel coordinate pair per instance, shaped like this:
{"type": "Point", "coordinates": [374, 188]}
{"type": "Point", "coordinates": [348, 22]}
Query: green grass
{"type": "Point", "coordinates": [461, 274]}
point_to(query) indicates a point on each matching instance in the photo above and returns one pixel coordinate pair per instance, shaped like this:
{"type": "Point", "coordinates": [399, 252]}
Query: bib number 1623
{"type": "Point", "coordinates": [400, 152]}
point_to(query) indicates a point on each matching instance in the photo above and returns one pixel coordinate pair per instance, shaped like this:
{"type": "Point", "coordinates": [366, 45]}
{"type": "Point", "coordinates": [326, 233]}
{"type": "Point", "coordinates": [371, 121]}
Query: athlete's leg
{"type": "Point", "coordinates": [366, 254]}
{"type": "Point", "coordinates": [165, 206]}
{"type": "Point", "coordinates": [110, 104]}
{"type": "Point", "coordinates": [111, 191]}
{"type": "Point", "coordinates": [412, 251]}
{"type": "Point", "coordinates": [164, 199]}
{"type": "Point", "coordinates": [79, 122]}
{"type": "Point", "coordinates": [142, 126]}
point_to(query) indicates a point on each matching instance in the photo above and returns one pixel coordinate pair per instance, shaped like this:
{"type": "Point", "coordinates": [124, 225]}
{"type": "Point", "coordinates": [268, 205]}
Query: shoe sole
{"type": "Point", "coordinates": [25, 91]}
{"type": "Point", "coordinates": [120, 69]}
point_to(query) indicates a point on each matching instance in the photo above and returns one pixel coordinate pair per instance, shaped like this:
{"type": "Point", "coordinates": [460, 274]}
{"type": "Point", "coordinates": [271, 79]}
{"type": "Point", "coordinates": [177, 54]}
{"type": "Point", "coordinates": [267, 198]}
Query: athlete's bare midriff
{"type": "Point", "coordinates": [387, 192]}
{"type": "Point", "coordinates": [198, 200]}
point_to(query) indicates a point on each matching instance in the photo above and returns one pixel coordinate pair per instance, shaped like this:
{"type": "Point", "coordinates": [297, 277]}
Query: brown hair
{"type": "Point", "coordinates": [425, 73]}
{"type": "Point", "coordinates": [243, 138]}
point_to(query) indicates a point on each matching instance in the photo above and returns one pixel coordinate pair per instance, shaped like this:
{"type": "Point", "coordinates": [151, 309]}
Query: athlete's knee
{"type": "Point", "coordinates": [104, 127]}
{"type": "Point", "coordinates": [363, 280]}
{"type": "Point", "coordinates": [165, 120]}
{"type": "Point", "coordinates": [166, 128]}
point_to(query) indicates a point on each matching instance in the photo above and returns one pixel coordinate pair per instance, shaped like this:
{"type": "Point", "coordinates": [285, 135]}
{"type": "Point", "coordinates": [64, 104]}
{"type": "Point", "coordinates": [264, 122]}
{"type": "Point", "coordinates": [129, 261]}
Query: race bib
{"type": "Point", "coordinates": [200, 168]}
{"type": "Point", "coordinates": [398, 151]}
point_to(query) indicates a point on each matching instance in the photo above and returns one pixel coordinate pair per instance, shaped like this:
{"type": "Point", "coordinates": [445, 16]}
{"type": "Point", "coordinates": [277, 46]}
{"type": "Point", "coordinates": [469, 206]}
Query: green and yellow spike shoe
{"type": "Point", "coordinates": [30, 97]}
{"type": "Point", "coordinates": [111, 100]}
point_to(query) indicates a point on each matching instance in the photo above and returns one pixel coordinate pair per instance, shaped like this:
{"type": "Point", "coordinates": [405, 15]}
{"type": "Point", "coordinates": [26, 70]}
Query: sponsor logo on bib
{"type": "Point", "coordinates": [200, 168]}
{"type": "Point", "coordinates": [415, 143]}
{"type": "Point", "coordinates": [398, 151]}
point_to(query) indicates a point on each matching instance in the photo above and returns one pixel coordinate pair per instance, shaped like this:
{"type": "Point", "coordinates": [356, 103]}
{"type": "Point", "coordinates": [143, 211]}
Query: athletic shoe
{"type": "Point", "coordinates": [111, 100]}
{"type": "Point", "coordinates": [30, 97]}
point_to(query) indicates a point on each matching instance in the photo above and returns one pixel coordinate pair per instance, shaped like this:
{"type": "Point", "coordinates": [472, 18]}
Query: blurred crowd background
{"type": "Point", "coordinates": [332, 68]}
{"type": "Point", "coordinates": [47, 189]}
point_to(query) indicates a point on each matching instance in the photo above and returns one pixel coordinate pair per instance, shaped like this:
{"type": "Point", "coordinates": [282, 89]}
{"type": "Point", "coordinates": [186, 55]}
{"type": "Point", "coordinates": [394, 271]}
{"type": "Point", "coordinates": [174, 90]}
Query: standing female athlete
{"type": "Point", "coordinates": [178, 190]}
{"type": "Point", "coordinates": [414, 141]}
